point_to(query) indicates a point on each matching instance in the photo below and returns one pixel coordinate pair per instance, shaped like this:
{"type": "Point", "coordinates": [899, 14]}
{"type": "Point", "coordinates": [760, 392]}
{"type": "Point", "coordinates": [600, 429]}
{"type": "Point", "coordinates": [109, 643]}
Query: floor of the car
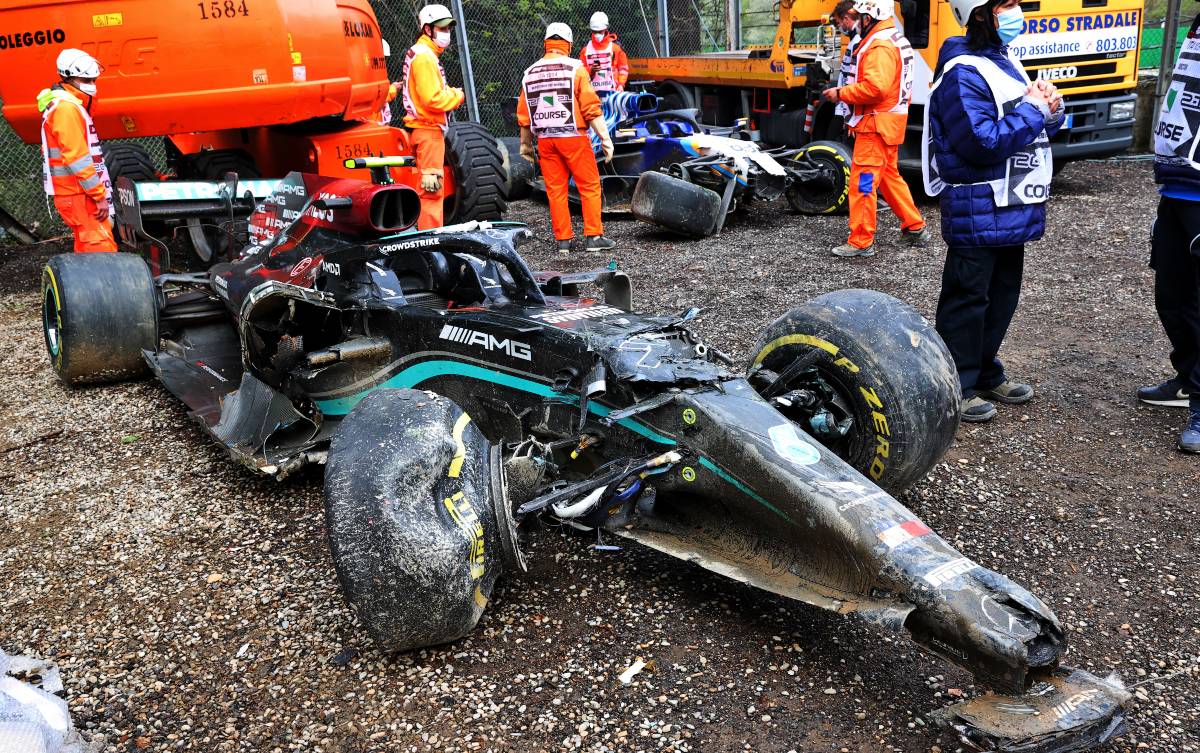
{"type": "Point", "coordinates": [201, 368]}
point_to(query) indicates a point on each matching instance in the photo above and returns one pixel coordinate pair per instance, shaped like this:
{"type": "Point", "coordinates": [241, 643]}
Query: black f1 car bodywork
{"type": "Point", "coordinates": [452, 393]}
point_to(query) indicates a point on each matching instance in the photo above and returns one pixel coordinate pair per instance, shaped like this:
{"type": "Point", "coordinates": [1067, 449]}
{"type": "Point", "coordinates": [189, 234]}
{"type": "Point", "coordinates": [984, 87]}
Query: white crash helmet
{"type": "Point", "coordinates": [560, 30]}
{"type": "Point", "coordinates": [963, 9]}
{"type": "Point", "coordinates": [74, 63]}
{"type": "Point", "coordinates": [431, 14]}
{"type": "Point", "coordinates": [599, 21]}
{"type": "Point", "coordinates": [880, 10]}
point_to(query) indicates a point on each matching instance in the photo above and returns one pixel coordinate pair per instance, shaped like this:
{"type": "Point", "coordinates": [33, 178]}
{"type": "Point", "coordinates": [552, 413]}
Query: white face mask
{"type": "Point", "coordinates": [442, 37]}
{"type": "Point", "coordinates": [599, 36]}
{"type": "Point", "coordinates": [88, 89]}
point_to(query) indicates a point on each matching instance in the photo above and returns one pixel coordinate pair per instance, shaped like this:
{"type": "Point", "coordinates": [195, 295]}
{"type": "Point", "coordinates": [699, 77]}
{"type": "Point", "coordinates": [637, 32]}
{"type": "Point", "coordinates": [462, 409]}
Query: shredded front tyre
{"type": "Point", "coordinates": [409, 492]}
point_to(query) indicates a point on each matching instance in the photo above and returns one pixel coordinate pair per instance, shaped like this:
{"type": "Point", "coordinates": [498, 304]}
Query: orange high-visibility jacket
{"type": "Point", "coordinates": [73, 162]}
{"type": "Point", "coordinates": [564, 84]}
{"type": "Point", "coordinates": [426, 96]}
{"type": "Point", "coordinates": [882, 88]}
{"type": "Point", "coordinates": [613, 72]}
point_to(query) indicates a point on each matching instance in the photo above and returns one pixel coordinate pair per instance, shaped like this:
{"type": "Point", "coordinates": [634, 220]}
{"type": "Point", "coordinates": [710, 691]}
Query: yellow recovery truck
{"type": "Point", "coordinates": [1088, 48]}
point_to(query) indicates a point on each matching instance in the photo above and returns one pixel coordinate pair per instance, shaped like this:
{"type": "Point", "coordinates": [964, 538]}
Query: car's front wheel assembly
{"type": "Point", "coordinates": [99, 312]}
{"type": "Point", "coordinates": [826, 187]}
{"type": "Point", "coordinates": [866, 375]}
{"type": "Point", "coordinates": [417, 519]}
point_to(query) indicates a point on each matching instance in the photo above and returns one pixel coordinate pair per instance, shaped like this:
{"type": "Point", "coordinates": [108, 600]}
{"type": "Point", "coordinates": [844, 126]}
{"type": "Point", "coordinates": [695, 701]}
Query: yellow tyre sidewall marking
{"type": "Point", "coordinates": [809, 340]}
{"type": "Point", "coordinates": [57, 313]}
{"type": "Point", "coordinates": [875, 403]}
{"type": "Point", "coordinates": [845, 168]}
{"type": "Point", "coordinates": [460, 453]}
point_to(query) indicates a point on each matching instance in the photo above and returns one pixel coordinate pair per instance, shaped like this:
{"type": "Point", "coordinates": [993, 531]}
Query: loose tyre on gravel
{"type": "Point", "coordinates": [411, 488]}
{"type": "Point", "coordinates": [676, 205]}
{"type": "Point", "coordinates": [478, 168]}
{"type": "Point", "coordinates": [518, 171]}
{"type": "Point", "coordinates": [812, 198]}
{"type": "Point", "coordinates": [889, 368]}
{"type": "Point", "coordinates": [99, 311]}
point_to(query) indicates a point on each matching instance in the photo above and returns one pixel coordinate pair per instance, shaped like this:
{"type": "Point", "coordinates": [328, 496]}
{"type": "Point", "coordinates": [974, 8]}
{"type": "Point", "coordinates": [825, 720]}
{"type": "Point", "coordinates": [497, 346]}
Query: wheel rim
{"type": "Point", "coordinates": [52, 323]}
{"type": "Point", "coordinates": [823, 201]}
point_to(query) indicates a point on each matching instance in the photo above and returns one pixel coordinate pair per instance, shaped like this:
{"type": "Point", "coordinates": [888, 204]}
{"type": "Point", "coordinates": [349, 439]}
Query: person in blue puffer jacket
{"type": "Point", "coordinates": [987, 155]}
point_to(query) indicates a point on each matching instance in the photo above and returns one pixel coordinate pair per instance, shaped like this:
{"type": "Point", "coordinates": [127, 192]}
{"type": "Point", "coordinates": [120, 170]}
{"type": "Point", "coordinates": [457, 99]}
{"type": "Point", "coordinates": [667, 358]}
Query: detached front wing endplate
{"type": "Point", "coordinates": [1071, 710]}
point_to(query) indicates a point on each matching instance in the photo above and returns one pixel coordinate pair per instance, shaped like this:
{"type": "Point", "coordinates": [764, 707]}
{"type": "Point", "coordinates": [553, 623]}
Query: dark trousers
{"type": "Point", "coordinates": [980, 289]}
{"type": "Point", "coordinates": [1175, 258]}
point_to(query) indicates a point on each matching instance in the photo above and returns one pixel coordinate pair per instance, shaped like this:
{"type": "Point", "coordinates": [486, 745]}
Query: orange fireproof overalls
{"type": "Point", "coordinates": [427, 99]}
{"type": "Point", "coordinates": [557, 102]}
{"type": "Point", "coordinates": [879, 100]}
{"type": "Point", "coordinates": [73, 167]}
{"type": "Point", "coordinates": [612, 63]}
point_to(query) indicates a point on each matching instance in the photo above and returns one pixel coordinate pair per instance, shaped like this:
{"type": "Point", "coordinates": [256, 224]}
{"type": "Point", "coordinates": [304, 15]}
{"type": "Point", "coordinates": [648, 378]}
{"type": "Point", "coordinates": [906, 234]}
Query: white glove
{"type": "Point", "coordinates": [431, 182]}
{"type": "Point", "coordinates": [600, 128]}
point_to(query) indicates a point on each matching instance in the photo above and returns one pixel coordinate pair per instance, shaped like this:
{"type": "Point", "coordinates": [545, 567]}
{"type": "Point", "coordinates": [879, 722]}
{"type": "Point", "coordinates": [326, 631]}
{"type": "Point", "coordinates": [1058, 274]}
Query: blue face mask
{"type": "Point", "coordinates": [1009, 24]}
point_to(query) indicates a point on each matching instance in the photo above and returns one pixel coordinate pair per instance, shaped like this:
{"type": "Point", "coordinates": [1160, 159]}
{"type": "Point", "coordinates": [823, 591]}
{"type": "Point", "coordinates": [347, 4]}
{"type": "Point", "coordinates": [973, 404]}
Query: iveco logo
{"type": "Point", "coordinates": [1055, 74]}
{"type": "Point", "coordinates": [486, 341]}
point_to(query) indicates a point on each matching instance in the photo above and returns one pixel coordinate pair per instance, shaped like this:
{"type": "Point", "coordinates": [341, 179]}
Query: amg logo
{"type": "Point", "coordinates": [487, 341]}
{"type": "Point", "coordinates": [592, 312]}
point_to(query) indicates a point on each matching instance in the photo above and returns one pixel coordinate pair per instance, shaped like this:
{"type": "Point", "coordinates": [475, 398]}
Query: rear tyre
{"type": "Point", "coordinates": [676, 205]}
{"type": "Point", "coordinates": [99, 312]}
{"type": "Point", "coordinates": [410, 489]}
{"type": "Point", "coordinates": [833, 158]}
{"type": "Point", "coordinates": [889, 369]}
{"type": "Point", "coordinates": [477, 165]}
{"type": "Point", "coordinates": [518, 171]}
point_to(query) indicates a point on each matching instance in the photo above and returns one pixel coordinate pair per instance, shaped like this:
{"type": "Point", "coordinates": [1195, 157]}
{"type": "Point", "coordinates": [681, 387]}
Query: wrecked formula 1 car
{"type": "Point", "coordinates": [452, 393]}
{"type": "Point", "coordinates": [671, 171]}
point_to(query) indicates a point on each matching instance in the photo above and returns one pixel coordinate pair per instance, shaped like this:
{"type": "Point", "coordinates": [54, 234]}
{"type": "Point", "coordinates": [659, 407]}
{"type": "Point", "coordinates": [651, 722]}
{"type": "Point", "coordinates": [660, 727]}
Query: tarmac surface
{"type": "Point", "coordinates": [192, 606]}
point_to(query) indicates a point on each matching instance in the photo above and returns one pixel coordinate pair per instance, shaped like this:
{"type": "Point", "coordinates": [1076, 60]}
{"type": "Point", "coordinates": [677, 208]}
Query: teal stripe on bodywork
{"type": "Point", "coordinates": [421, 372]}
{"type": "Point", "coordinates": [710, 465]}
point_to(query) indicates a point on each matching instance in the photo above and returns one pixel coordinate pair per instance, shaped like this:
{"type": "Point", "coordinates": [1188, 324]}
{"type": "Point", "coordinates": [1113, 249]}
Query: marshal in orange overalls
{"type": "Point", "coordinates": [610, 60]}
{"type": "Point", "coordinates": [427, 99]}
{"type": "Point", "coordinates": [557, 102]}
{"type": "Point", "coordinates": [74, 168]}
{"type": "Point", "coordinates": [879, 113]}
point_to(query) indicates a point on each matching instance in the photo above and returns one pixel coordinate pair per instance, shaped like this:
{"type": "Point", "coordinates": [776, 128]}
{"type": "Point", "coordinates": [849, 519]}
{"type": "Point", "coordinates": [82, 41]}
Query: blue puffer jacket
{"type": "Point", "coordinates": [972, 146]}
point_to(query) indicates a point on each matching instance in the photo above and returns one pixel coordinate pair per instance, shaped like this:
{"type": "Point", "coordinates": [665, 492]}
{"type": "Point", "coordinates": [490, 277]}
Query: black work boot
{"type": "Point", "coordinates": [599, 243]}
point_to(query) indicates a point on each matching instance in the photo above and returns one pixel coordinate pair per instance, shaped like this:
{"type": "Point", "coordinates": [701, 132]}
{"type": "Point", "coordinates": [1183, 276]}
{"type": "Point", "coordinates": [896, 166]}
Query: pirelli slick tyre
{"type": "Point", "coordinates": [99, 312]}
{"type": "Point", "coordinates": [889, 369]}
{"type": "Point", "coordinates": [676, 205]}
{"type": "Point", "coordinates": [822, 197]}
{"type": "Point", "coordinates": [411, 491]}
{"type": "Point", "coordinates": [518, 171]}
{"type": "Point", "coordinates": [475, 161]}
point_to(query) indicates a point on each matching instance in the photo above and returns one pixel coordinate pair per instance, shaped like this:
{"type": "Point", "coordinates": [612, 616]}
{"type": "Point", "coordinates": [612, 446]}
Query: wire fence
{"type": "Point", "coordinates": [503, 38]}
